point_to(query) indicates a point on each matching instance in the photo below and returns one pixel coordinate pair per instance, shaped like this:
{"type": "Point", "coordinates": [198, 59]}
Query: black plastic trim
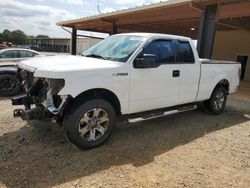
{"type": "Point", "coordinates": [158, 111]}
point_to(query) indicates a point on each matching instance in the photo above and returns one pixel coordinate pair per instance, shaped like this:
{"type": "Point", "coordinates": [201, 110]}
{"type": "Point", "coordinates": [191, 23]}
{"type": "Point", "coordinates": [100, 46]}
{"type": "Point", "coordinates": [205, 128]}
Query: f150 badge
{"type": "Point", "coordinates": [120, 74]}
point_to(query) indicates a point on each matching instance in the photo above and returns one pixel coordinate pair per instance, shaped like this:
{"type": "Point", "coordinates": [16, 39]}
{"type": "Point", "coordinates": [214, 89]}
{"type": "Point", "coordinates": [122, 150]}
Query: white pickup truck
{"type": "Point", "coordinates": [140, 75]}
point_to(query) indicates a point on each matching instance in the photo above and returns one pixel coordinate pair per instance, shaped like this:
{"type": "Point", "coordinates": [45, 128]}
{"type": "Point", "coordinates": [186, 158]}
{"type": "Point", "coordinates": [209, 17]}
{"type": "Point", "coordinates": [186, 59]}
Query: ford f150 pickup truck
{"type": "Point", "coordinates": [139, 76]}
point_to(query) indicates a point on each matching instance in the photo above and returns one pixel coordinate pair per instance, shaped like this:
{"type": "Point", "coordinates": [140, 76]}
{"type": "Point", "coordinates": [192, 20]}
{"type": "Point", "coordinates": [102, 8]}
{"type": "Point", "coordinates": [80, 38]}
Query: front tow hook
{"type": "Point", "coordinates": [21, 113]}
{"type": "Point", "coordinates": [36, 113]}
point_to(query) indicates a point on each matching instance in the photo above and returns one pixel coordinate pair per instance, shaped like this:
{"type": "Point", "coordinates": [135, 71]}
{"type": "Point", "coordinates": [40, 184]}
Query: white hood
{"type": "Point", "coordinates": [65, 63]}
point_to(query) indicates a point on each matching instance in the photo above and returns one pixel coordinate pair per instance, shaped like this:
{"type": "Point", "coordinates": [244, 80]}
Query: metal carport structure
{"type": "Point", "coordinates": [198, 19]}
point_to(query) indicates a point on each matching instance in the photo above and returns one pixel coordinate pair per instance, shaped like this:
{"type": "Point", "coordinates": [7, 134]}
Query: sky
{"type": "Point", "coordinates": [40, 16]}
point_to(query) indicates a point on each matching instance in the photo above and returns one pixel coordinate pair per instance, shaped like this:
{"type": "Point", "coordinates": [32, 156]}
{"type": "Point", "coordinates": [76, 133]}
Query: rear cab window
{"type": "Point", "coordinates": [185, 52]}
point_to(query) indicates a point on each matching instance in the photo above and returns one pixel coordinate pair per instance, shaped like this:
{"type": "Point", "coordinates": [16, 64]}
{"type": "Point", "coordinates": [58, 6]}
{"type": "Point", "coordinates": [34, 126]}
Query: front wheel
{"type": "Point", "coordinates": [89, 124]}
{"type": "Point", "coordinates": [216, 103]}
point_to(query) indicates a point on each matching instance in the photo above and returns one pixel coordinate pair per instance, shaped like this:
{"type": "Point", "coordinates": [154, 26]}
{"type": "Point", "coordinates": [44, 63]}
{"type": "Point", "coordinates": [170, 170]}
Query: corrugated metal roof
{"type": "Point", "coordinates": [180, 17]}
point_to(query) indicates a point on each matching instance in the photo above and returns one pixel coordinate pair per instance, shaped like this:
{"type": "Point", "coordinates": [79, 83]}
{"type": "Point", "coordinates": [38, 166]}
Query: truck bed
{"type": "Point", "coordinates": [214, 71]}
{"type": "Point", "coordinates": [209, 61]}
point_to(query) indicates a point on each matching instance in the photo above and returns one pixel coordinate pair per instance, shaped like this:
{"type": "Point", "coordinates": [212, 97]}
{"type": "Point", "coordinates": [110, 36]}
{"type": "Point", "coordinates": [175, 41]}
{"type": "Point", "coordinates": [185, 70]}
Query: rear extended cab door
{"type": "Point", "coordinates": [188, 60]}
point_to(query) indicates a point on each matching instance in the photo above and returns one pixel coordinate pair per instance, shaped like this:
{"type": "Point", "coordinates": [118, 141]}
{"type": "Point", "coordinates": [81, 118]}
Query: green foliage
{"type": "Point", "coordinates": [6, 35]}
{"type": "Point", "coordinates": [30, 37]}
{"type": "Point", "coordinates": [42, 36]}
{"type": "Point", "coordinates": [18, 37]}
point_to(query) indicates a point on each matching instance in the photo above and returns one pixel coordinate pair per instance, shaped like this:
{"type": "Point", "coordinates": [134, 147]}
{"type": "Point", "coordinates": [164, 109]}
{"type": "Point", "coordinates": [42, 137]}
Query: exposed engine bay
{"type": "Point", "coordinates": [40, 100]}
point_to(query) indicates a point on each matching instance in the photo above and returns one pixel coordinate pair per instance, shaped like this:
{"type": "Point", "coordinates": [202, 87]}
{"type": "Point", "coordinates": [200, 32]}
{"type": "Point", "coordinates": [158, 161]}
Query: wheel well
{"type": "Point", "coordinates": [223, 83]}
{"type": "Point", "coordinates": [103, 94]}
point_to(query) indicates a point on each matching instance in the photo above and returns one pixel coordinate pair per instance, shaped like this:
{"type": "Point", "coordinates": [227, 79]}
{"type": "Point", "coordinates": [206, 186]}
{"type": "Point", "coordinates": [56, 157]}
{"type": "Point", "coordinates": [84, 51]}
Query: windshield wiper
{"type": "Point", "coordinates": [95, 56]}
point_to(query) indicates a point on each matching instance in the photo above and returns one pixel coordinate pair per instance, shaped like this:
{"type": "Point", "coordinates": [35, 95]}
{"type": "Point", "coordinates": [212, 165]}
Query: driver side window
{"type": "Point", "coordinates": [162, 50]}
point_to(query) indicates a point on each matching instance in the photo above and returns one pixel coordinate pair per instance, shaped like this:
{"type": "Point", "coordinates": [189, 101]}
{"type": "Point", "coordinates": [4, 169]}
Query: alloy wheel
{"type": "Point", "coordinates": [93, 124]}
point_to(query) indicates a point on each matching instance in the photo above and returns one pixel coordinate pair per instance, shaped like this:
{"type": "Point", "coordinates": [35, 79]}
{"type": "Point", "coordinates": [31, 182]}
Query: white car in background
{"type": "Point", "coordinates": [13, 55]}
{"type": "Point", "coordinates": [9, 57]}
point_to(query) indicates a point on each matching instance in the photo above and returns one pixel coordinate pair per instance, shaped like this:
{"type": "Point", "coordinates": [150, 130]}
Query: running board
{"type": "Point", "coordinates": [153, 116]}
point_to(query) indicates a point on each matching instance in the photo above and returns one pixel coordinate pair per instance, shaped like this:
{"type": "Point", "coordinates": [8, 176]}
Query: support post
{"type": "Point", "coordinates": [114, 28]}
{"type": "Point", "coordinates": [73, 41]}
{"type": "Point", "coordinates": [207, 32]}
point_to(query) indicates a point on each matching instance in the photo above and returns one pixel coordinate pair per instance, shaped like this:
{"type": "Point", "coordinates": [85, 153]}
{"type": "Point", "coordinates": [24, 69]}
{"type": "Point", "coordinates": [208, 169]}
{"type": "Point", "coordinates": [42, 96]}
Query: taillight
{"type": "Point", "coordinates": [239, 72]}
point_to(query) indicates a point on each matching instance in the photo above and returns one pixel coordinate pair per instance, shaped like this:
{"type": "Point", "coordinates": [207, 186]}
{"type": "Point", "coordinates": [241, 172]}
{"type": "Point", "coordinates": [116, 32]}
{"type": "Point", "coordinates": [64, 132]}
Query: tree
{"type": "Point", "coordinates": [42, 36]}
{"type": "Point", "coordinates": [18, 37]}
{"type": "Point", "coordinates": [6, 35]}
{"type": "Point", "coordinates": [30, 37]}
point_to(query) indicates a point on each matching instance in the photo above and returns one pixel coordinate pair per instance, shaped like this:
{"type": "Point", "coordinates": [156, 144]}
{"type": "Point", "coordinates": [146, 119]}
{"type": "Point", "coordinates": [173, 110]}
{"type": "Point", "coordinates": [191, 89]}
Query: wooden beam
{"type": "Point", "coordinates": [196, 7]}
{"type": "Point", "coordinates": [96, 30]}
{"type": "Point", "coordinates": [236, 23]}
{"type": "Point", "coordinates": [139, 28]}
{"type": "Point", "coordinates": [234, 10]}
{"type": "Point", "coordinates": [108, 20]}
{"type": "Point", "coordinates": [229, 25]}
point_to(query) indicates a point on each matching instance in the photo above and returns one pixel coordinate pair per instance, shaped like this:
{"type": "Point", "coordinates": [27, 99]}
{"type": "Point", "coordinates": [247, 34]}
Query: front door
{"type": "Point", "coordinates": [155, 86]}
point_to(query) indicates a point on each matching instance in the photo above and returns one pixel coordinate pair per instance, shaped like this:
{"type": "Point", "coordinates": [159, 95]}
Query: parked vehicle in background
{"type": "Point", "coordinates": [9, 57]}
{"type": "Point", "coordinates": [13, 55]}
{"type": "Point", "coordinates": [2, 46]}
{"type": "Point", "coordinates": [140, 75]}
{"type": "Point", "coordinates": [34, 47]}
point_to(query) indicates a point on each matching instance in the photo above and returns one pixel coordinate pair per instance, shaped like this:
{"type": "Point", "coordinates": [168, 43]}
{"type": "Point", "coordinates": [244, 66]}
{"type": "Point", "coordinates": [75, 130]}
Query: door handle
{"type": "Point", "coordinates": [176, 73]}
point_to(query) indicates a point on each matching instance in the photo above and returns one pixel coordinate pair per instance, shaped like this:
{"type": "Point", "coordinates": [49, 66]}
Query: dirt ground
{"type": "Point", "coordinates": [192, 149]}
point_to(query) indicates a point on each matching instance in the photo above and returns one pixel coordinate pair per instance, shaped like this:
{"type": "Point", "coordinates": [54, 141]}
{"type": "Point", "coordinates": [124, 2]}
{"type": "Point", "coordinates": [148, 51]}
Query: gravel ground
{"type": "Point", "coordinates": [192, 149]}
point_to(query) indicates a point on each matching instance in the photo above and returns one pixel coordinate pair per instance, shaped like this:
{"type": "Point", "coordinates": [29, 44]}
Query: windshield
{"type": "Point", "coordinates": [115, 48]}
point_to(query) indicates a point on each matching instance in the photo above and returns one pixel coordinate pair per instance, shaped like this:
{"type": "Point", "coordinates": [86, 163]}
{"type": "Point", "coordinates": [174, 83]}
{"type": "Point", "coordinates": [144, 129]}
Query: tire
{"type": "Point", "coordinates": [216, 103]}
{"type": "Point", "coordinates": [7, 88]}
{"type": "Point", "coordinates": [89, 124]}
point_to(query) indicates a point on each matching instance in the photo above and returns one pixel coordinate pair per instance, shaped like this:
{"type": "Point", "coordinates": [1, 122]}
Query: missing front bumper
{"type": "Point", "coordinates": [36, 113]}
{"type": "Point", "coordinates": [22, 100]}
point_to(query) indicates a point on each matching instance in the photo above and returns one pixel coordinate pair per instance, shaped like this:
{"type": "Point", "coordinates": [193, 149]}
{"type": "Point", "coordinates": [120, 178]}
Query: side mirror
{"type": "Point", "coordinates": [145, 61]}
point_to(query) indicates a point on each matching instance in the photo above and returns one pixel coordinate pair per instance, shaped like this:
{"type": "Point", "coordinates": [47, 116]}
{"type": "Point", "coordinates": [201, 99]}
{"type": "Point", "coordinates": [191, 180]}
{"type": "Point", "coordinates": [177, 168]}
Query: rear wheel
{"type": "Point", "coordinates": [7, 86]}
{"type": "Point", "coordinates": [89, 124]}
{"type": "Point", "coordinates": [216, 103]}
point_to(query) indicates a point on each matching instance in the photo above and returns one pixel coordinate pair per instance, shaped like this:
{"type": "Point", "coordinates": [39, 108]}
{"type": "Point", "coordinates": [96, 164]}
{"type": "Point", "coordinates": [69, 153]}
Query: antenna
{"type": "Point", "coordinates": [98, 6]}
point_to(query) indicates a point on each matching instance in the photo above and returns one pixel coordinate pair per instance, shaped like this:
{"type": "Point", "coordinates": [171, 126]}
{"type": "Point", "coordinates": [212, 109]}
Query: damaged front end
{"type": "Point", "coordinates": [41, 101]}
